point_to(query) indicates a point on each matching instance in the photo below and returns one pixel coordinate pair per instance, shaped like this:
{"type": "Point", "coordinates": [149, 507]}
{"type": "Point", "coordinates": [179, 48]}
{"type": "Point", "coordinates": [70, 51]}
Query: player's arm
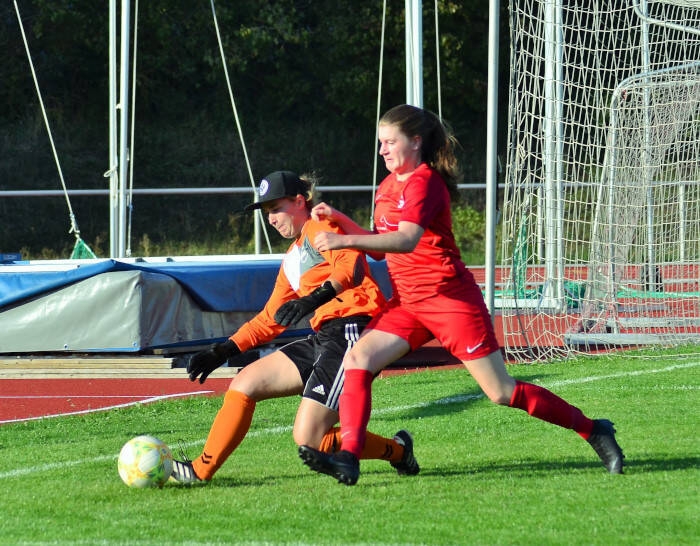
{"type": "Point", "coordinates": [201, 364]}
{"type": "Point", "coordinates": [292, 311]}
{"type": "Point", "coordinates": [347, 225]}
{"type": "Point", "coordinates": [322, 211]}
{"type": "Point", "coordinates": [401, 241]}
{"type": "Point", "coordinates": [258, 330]}
{"type": "Point", "coordinates": [347, 270]}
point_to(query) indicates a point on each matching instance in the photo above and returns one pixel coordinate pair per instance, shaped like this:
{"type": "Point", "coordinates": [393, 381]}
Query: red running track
{"type": "Point", "coordinates": [29, 399]}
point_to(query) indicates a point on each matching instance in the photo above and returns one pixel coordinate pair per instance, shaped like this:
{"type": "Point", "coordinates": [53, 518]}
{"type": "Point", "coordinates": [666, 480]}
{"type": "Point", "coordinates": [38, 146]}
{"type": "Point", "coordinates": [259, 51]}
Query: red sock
{"type": "Point", "coordinates": [355, 408]}
{"type": "Point", "coordinates": [545, 405]}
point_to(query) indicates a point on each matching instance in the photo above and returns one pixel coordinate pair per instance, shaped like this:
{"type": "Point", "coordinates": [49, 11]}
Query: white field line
{"type": "Point", "coordinates": [144, 400]}
{"type": "Point", "coordinates": [379, 411]}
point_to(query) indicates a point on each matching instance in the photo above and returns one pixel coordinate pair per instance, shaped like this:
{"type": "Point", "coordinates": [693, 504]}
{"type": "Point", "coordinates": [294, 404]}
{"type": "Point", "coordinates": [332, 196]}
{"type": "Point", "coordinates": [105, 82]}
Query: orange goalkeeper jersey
{"type": "Point", "coordinates": [303, 270]}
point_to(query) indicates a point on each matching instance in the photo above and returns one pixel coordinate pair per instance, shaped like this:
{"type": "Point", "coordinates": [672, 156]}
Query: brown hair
{"type": "Point", "coordinates": [438, 142]}
{"type": "Point", "coordinates": [310, 180]}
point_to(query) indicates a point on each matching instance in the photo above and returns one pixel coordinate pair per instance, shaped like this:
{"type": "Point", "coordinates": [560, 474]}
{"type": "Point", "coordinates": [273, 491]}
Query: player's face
{"type": "Point", "coordinates": [401, 154]}
{"type": "Point", "coordinates": [287, 216]}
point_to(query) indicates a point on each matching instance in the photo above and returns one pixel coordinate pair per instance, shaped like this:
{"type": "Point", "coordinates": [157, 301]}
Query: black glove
{"type": "Point", "coordinates": [293, 310]}
{"type": "Point", "coordinates": [204, 362]}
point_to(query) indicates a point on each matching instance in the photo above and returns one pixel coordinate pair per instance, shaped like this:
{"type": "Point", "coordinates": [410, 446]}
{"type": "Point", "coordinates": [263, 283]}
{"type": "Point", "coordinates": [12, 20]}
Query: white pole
{"type": "Point", "coordinates": [124, 126]}
{"type": "Point", "coordinates": [552, 296]}
{"type": "Point", "coordinates": [112, 173]}
{"type": "Point", "coordinates": [414, 52]}
{"type": "Point", "coordinates": [560, 303]}
{"type": "Point", "coordinates": [492, 156]}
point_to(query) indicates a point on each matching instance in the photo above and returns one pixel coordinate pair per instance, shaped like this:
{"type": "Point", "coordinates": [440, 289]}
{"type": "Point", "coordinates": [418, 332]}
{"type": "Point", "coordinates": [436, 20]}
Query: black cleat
{"type": "Point", "coordinates": [407, 466]}
{"type": "Point", "coordinates": [603, 441]}
{"type": "Point", "coordinates": [183, 473]}
{"type": "Point", "coordinates": [343, 465]}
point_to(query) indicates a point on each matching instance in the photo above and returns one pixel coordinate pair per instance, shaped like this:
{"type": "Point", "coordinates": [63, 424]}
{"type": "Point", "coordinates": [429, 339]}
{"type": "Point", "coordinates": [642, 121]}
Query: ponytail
{"type": "Point", "coordinates": [438, 142]}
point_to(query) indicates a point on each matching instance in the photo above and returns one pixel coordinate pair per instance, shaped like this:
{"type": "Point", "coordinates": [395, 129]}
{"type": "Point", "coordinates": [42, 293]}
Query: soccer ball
{"type": "Point", "coordinates": [145, 461]}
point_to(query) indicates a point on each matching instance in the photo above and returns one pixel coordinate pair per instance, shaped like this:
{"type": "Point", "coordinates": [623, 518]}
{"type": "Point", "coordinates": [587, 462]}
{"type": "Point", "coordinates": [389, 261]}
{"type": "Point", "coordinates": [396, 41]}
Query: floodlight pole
{"type": "Point", "coordinates": [113, 171]}
{"type": "Point", "coordinates": [492, 156]}
{"type": "Point", "coordinates": [124, 124]}
{"type": "Point", "coordinates": [414, 53]}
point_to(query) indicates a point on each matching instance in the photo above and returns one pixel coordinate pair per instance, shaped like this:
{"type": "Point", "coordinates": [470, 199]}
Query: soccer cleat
{"type": "Point", "coordinates": [183, 473]}
{"type": "Point", "coordinates": [407, 466]}
{"type": "Point", "coordinates": [343, 465]}
{"type": "Point", "coordinates": [602, 439]}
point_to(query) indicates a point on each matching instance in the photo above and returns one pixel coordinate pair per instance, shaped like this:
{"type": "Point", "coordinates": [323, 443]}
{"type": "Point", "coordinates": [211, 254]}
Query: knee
{"type": "Point", "coordinates": [303, 436]}
{"type": "Point", "coordinates": [240, 386]}
{"type": "Point", "coordinates": [248, 385]}
{"type": "Point", "coordinates": [355, 360]}
{"type": "Point", "coordinates": [502, 393]}
{"type": "Point", "coordinates": [502, 399]}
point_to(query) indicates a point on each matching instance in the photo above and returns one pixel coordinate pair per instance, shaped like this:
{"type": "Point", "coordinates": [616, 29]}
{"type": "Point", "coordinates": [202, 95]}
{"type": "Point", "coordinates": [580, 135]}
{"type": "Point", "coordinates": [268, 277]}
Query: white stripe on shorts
{"type": "Point", "coordinates": [352, 334]}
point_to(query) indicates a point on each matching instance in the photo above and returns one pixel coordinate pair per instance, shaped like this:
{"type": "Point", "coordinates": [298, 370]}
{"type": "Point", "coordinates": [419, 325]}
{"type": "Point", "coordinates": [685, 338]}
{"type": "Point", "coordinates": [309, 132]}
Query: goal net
{"type": "Point", "coordinates": [601, 214]}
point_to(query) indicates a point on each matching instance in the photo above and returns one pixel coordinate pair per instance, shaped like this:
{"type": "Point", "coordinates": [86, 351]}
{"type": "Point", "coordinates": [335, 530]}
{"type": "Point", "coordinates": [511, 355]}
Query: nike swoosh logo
{"type": "Point", "coordinates": [470, 350]}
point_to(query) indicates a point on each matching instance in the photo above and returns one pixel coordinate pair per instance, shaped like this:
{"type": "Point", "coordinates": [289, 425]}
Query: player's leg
{"type": "Point", "coordinates": [465, 329]}
{"type": "Point", "coordinates": [272, 376]}
{"type": "Point", "coordinates": [334, 341]}
{"type": "Point", "coordinates": [327, 374]}
{"type": "Point", "coordinates": [374, 351]}
{"type": "Point", "coordinates": [312, 418]}
{"type": "Point", "coordinates": [539, 402]}
{"type": "Point", "coordinates": [493, 378]}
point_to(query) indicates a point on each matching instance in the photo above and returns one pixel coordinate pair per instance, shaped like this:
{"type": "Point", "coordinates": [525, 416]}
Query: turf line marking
{"type": "Point", "coordinates": [379, 411]}
{"type": "Point", "coordinates": [105, 408]}
{"type": "Point", "coordinates": [622, 374]}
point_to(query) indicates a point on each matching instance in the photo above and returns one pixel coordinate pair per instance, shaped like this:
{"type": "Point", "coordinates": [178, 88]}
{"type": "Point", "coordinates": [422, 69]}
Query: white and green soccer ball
{"type": "Point", "coordinates": [145, 461]}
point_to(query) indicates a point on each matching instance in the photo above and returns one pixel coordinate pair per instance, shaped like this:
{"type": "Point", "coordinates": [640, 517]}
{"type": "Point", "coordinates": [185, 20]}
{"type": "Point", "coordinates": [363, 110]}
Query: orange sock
{"type": "Point", "coordinates": [330, 443]}
{"type": "Point", "coordinates": [376, 447]}
{"type": "Point", "coordinates": [230, 426]}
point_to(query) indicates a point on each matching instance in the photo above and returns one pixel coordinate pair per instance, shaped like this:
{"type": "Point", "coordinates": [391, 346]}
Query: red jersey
{"type": "Point", "coordinates": [435, 265]}
{"type": "Point", "coordinates": [303, 270]}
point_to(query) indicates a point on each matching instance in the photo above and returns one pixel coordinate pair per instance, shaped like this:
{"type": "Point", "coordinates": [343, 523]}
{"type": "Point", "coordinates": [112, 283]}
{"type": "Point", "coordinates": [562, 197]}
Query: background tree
{"type": "Point", "coordinates": [304, 77]}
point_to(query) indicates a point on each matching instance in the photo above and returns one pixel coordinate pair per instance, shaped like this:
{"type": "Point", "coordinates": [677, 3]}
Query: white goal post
{"type": "Point", "coordinates": [601, 212]}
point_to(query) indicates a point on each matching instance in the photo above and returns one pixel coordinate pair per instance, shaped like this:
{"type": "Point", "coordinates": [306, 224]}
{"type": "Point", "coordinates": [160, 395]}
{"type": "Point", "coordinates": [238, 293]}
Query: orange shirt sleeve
{"type": "Point", "coordinates": [262, 327]}
{"type": "Point", "coordinates": [303, 270]}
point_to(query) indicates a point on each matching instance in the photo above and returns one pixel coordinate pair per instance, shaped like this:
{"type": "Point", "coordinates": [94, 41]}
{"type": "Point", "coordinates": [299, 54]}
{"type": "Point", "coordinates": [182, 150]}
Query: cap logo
{"type": "Point", "coordinates": [264, 187]}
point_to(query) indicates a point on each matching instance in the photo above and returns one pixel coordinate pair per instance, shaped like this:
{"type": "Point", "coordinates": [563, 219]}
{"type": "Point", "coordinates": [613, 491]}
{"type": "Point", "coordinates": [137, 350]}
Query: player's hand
{"type": "Point", "coordinates": [293, 310]}
{"type": "Point", "coordinates": [201, 364]}
{"type": "Point", "coordinates": [322, 212]}
{"type": "Point", "coordinates": [327, 240]}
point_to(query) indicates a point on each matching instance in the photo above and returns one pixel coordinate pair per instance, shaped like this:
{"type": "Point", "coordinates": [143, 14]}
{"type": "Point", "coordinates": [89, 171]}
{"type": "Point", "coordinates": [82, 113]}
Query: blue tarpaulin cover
{"type": "Point", "coordinates": [216, 286]}
{"type": "Point", "coordinates": [105, 305]}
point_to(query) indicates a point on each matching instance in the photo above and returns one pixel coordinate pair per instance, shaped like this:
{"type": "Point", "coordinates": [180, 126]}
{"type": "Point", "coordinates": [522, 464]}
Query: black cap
{"type": "Point", "coordinates": [277, 185]}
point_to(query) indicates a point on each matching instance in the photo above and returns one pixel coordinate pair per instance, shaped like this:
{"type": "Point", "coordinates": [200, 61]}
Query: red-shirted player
{"type": "Point", "coordinates": [334, 285]}
{"type": "Point", "coordinates": [434, 294]}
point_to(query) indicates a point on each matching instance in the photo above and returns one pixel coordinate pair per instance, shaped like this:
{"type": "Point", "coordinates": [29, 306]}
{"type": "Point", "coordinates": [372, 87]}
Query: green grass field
{"type": "Point", "coordinates": [490, 475]}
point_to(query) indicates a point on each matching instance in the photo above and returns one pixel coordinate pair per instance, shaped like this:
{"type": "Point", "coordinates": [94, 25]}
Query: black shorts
{"type": "Point", "coordinates": [319, 358]}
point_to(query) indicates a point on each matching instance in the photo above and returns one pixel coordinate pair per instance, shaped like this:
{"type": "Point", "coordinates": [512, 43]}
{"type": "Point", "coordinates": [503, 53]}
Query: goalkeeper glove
{"type": "Point", "coordinates": [293, 310]}
{"type": "Point", "coordinates": [204, 362]}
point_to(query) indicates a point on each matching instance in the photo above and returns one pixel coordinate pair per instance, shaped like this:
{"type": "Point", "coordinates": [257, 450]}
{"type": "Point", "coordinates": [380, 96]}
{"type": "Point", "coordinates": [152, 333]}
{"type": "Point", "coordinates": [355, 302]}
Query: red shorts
{"type": "Point", "coordinates": [462, 326]}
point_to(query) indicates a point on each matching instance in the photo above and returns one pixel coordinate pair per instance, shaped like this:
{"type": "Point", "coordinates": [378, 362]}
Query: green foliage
{"type": "Point", "coordinates": [489, 474]}
{"type": "Point", "coordinates": [304, 76]}
{"type": "Point", "coordinates": [470, 233]}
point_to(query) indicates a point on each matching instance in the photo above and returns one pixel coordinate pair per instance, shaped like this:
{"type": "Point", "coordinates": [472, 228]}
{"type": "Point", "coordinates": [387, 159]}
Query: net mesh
{"type": "Point", "coordinates": [601, 214]}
